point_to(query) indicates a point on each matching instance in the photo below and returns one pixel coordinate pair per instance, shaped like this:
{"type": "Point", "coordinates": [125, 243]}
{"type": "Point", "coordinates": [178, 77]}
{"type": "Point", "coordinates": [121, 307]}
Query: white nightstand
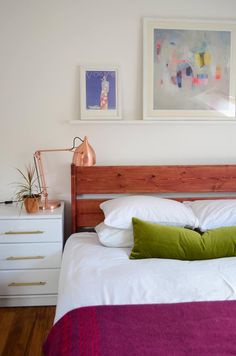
{"type": "Point", "coordinates": [30, 256]}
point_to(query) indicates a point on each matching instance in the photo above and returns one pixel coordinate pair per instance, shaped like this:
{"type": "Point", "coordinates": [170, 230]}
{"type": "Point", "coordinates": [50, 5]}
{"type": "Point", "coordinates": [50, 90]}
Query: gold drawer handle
{"type": "Point", "coordinates": [13, 258]}
{"type": "Point", "coordinates": [26, 284]}
{"type": "Point", "coordinates": [23, 232]}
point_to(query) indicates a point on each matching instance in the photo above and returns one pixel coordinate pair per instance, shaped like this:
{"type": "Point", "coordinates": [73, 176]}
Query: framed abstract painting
{"type": "Point", "coordinates": [188, 70]}
{"type": "Point", "coordinates": [99, 93]}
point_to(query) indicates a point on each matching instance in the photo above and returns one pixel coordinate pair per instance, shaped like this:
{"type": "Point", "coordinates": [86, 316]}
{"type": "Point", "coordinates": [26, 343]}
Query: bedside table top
{"type": "Point", "coordinates": [14, 211]}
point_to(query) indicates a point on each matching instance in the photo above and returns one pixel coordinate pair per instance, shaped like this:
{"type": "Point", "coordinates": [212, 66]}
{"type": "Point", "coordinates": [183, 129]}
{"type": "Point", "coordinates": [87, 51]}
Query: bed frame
{"type": "Point", "coordinates": [87, 183]}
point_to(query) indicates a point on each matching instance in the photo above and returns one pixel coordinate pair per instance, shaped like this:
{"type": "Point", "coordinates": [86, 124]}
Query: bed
{"type": "Point", "coordinates": [111, 305]}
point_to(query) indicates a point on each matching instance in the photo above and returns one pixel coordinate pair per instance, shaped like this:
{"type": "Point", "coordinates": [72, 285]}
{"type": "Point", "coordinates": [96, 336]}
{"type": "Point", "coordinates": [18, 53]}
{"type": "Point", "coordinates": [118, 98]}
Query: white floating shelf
{"type": "Point", "coordinates": [168, 121]}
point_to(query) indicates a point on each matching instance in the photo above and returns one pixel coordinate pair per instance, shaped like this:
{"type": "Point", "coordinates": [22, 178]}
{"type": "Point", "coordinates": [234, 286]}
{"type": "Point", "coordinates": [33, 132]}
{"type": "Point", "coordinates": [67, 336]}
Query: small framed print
{"type": "Point", "coordinates": [99, 93]}
{"type": "Point", "coordinates": [189, 69]}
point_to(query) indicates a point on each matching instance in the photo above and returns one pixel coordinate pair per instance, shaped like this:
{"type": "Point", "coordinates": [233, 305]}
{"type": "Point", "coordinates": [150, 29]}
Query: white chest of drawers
{"type": "Point", "coordinates": [30, 256]}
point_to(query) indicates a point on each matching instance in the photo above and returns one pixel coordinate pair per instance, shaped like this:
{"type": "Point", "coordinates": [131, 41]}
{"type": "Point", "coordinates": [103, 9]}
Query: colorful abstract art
{"type": "Point", "coordinates": [191, 69]}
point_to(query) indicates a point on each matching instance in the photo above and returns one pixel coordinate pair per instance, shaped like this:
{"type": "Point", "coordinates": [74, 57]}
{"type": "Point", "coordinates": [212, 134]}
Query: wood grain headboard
{"type": "Point", "coordinates": [87, 182]}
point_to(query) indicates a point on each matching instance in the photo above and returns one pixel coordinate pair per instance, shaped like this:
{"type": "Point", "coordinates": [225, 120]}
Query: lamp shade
{"type": "Point", "coordinates": [84, 154]}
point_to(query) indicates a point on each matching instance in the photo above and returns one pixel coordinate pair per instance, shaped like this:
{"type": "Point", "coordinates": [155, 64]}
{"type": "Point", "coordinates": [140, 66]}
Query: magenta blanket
{"type": "Point", "coordinates": [193, 329]}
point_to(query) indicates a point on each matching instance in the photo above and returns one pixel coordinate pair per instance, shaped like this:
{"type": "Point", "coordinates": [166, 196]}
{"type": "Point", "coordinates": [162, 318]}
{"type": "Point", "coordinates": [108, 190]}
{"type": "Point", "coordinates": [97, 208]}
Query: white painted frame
{"type": "Point", "coordinates": [99, 114]}
{"type": "Point", "coordinates": [149, 24]}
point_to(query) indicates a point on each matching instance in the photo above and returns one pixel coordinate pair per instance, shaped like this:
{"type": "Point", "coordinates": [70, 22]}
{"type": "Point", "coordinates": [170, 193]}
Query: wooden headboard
{"type": "Point", "coordinates": [87, 182]}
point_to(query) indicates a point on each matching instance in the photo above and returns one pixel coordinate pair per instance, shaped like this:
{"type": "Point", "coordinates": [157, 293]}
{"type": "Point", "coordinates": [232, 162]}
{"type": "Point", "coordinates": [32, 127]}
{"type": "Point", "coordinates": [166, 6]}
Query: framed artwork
{"type": "Point", "coordinates": [99, 93]}
{"type": "Point", "coordinates": [188, 70]}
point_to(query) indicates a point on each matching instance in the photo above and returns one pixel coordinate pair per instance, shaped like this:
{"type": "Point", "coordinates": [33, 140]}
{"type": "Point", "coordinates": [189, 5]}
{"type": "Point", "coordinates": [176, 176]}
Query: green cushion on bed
{"type": "Point", "coordinates": [154, 240]}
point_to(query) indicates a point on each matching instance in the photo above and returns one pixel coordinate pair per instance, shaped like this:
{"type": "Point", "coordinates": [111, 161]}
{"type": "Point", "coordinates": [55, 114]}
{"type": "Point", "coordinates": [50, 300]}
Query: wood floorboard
{"type": "Point", "coordinates": [41, 328]}
{"type": "Point", "coordinates": [6, 322]}
{"type": "Point", "coordinates": [23, 330]}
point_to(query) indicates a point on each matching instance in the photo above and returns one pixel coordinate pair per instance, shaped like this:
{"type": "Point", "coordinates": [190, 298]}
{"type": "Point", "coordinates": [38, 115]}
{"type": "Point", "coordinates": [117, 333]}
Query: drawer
{"type": "Point", "coordinates": [31, 256]}
{"type": "Point", "coordinates": [30, 230]}
{"type": "Point", "coordinates": [29, 282]}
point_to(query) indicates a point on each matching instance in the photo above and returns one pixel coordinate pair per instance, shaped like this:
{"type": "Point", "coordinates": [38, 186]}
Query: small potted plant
{"type": "Point", "coordinates": [27, 191]}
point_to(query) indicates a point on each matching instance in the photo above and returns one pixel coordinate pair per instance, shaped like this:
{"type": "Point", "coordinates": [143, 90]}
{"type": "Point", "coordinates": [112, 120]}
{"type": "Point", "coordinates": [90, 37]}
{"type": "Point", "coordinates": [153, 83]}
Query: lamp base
{"type": "Point", "coordinates": [50, 205]}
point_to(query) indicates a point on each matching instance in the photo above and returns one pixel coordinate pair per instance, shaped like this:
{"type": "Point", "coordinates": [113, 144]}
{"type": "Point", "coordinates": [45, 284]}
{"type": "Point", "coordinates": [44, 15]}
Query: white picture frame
{"type": "Point", "coordinates": [174, 54]}
{"type": "Point", "coordinates": [100, 93]}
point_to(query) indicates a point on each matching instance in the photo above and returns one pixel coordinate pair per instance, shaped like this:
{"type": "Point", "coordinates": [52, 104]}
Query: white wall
{"type": "Point", "coordinates": [42, 44]}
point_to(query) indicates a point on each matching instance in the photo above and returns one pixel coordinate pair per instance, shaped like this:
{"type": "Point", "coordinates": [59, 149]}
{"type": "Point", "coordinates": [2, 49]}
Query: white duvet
{"type": "Point", "coordinates": [92, 274]}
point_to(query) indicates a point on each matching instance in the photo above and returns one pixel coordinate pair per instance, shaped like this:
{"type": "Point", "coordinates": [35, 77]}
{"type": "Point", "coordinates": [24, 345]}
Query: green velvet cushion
{"type": "Point", "coordinates": [154, 240]}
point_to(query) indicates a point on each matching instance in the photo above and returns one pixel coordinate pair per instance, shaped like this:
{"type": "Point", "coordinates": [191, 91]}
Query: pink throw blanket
{"type": "Point", "coordinates": [190, 329]}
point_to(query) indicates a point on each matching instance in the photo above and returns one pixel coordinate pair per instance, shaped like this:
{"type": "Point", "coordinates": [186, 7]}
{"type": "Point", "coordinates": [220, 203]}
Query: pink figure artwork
{"type": "Point", "coordinates": [104, 94]}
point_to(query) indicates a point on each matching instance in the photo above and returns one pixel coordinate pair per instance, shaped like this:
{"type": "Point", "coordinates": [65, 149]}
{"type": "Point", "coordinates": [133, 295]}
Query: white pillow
{"type": "Point", "coordinates": [112, 237]}
{"type": "Point", "coordinates": [119, 212]}
{"type": "Point", "coordinates": [212, 214]}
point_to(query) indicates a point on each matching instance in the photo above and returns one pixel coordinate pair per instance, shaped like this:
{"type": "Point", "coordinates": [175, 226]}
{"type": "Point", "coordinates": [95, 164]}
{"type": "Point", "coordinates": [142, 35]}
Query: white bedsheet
{"type": "Point", "coordinates": [92, 274]}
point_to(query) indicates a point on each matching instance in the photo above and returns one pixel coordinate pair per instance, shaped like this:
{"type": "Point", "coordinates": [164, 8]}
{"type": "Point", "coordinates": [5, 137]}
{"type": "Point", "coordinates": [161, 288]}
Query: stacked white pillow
{"type": "Point", "coordinates": [116, 230]}
{"type": "Point", "coordinates": [213, 214]}
{"type": "Point", "coordinates": [112, 237]}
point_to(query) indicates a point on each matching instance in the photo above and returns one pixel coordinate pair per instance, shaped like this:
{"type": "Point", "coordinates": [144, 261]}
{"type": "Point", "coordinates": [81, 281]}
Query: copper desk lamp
{"type": "Point", "coordinates": [84, 155]}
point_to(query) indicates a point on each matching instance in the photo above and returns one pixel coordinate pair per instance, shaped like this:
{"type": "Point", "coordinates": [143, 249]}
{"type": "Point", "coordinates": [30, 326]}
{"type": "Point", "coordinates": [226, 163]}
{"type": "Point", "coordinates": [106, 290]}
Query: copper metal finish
{"type": "Point", "coordinates": [84, 155]}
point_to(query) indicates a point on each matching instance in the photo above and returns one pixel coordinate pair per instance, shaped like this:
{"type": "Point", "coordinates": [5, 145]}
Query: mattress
{"type": "Point", "coordinates": [92, 275]}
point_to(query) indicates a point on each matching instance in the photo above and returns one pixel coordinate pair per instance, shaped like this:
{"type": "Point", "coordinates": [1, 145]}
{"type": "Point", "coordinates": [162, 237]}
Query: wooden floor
{"type": "Point", "coordinates": [23, 330]}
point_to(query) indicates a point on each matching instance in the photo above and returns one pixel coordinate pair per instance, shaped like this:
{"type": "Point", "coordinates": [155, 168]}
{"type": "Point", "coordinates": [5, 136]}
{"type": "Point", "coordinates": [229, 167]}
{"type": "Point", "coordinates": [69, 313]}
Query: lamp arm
{"type": "Point", "coordinates": [37, 172]}
{"type": "Point", "coordinates": [40, 171]}
{"type": "Point", "coordinates": [84, 155]}
{"type": "Point", "coordinates": [41, 176]}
